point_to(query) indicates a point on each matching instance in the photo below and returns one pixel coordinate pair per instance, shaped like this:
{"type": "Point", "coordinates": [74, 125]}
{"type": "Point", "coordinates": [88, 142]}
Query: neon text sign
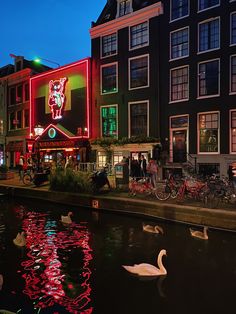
{"type": "Point", "coordinates": [57, 98]}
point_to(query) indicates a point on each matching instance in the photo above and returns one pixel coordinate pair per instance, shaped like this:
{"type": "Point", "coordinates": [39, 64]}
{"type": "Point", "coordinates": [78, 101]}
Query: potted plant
{"type": "Point", "coordinates": [5, 173]}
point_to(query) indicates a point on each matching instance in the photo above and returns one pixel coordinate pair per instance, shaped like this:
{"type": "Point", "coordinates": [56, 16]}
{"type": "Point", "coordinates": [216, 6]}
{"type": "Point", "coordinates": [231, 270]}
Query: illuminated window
{"type": "Point", "coordinates": [102, 159]}
{"type": "Point", "coordinates": [179, 43]}
{"type": "Point", "coordinates": [109, 121]}
{"type": "Point", "coordinates": [118, 156]}
{"type": "Point", "coordinates": [208, 78]}
{"type": "Point", "coordinates": [233, 131]}
{"type": "Point", "coordinates": [109, 45]}
{"type": "Point", "coordinates": [109, 78]}
{"type": "Point", "coordinates": [179, 84]}
{"type": "Point", "coordinates": [139, 72]}
{"type": "Point", "coordinates": [209, 35]}
{"type": "Point", "coordinates": [179, 9]}
{"type": "Point", "coordinates": [139, 35]}
{"type": "Point", "coordinates": [138, 116]}
{"type": "Point", "coordinates": [208, 132]}
{"type": "Point", "coordinates": [205, 4]}
{"type": "Point", "coordinates": [233, 29]}
{"type": "Point", "coordinates": [1, 127]}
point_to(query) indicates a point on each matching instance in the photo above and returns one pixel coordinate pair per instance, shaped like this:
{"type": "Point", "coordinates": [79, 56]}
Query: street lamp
{"type": "Point", "coordinates": [38, 130]}
{"type": "Point", "coordinates": [39, 59]}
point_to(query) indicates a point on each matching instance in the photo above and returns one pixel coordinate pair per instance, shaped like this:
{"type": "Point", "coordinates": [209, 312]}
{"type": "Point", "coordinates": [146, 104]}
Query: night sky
{"type": "Point", "coordinates": [57, 30]}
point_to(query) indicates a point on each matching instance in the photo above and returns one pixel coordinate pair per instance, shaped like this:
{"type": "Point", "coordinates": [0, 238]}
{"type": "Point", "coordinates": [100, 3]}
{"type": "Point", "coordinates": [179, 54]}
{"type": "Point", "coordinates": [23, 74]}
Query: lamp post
{"type": "Point", "coordinates": [38, 130]}
{"type": "Point", "coordinates": [38, 60]}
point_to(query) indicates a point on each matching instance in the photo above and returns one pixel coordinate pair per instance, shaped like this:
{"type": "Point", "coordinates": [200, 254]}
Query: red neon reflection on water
{"type": "Point", "coordinates": [47, 279]}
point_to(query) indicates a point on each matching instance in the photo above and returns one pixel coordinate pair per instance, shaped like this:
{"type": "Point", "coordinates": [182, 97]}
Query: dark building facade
{"type": "Point", "coordinates": [167, 69]}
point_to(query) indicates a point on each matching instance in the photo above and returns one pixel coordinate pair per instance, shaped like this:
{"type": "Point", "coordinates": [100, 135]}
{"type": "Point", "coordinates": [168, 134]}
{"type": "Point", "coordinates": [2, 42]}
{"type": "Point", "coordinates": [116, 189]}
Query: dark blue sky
{"type": "Point", "coordinates": [57, 30]}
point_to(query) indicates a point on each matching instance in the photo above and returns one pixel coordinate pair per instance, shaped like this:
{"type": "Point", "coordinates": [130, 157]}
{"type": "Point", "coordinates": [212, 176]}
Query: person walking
{"type": "Point", "coordinates": [143, 166]}
{"type": "Point", "coordinates": [152, 170]}
{"type": "Point", "coordinates": [20, 167]}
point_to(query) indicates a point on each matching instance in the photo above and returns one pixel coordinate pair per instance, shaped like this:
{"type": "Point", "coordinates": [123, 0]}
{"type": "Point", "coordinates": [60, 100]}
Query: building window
{"type": "Point", "coordinates": [179, 8]}
{"type": "Point", "coordinates": [124, 7]}
{"type": "Point", "coordinates": [206, 4]}
{"type": "Point", "coordinates": [109, 121]}
{"type": "Point", "coordinates": [109, 45]}
{"type": "Point", "coordinates": [233, 29]}
{"type": "Point", "coordinates": [208, 78]}
{"type": "Point", "coordinates": [179, 84]}
{"type": "Point", "coordinates": [138, 116]}
{"type": "Point", "coordinates": [18, 119]}
{"type": "Point", "coordinates": [12, 96]}
{"type": "Point", "coordinates": [118, 156]}
{"type": "Point", "coordinates": [179, 43]}
{"type": "Point", "coordinates": [208, 132]}
{"type": "Point", "coordinates": [102, 159]}
{"type": "Point", "coordinates": [233, 131]}
{"type": "Point", "coordinates": [1, 127]}
{"type": "Point", "coordinates": [26, 118]}
{"type": "Point", "coordinates": [138, 72]}
{"type": "Point", "coordinates": [19, 93]}
{"type": "Point", "coordinates": [233, 74]}
{"type": "Point", "coordinates": [209, 35]}
{"type": "Point", "coordinates": [109, 78]}
{"type": "Point", "coordinates": [26, 91]}
{"type": "Point", "coordinates": [139, 35]}
{"type": "Point", "coordinates": [12, 121]}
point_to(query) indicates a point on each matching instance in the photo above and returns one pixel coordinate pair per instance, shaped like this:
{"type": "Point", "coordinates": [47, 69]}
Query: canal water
{"type": "Point", "coordinates": [77, 268]}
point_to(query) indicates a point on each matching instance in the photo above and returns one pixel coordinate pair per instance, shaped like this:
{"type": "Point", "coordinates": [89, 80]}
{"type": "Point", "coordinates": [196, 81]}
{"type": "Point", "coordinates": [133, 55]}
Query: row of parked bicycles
{"type": "Point", "coordinates": [211, 191]}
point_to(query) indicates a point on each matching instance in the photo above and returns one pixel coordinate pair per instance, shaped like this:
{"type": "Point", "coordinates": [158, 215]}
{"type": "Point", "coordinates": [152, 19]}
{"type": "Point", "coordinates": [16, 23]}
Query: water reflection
{"type": "Point", "coordinates": [50, 277]}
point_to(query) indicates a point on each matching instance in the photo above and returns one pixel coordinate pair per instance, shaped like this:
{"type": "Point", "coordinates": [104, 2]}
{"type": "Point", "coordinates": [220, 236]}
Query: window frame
{"type": "Point", "coordinates": [198, 132]}
{"type": "Point", "coordinates": [230, 132]}
{"type": "Point", "coordinates": [208, 8]}
{"type": "Point", "coordinates": [148, 72]}
{"type": "Point", "coordinates": [205, 22]}
{"type": "Point", "coordinates": [170, 84]}
{"type": "Point", "coordinates": [101, 45]}
{"type": "Point", "coordinates": [230, 75]}
{"type": "Point", "coordinates": [230, 38]}
{"type": "Point", "coordinates": [118, 8]}
{"type": "Point", "coordinates": [198, 77]}
{"type": "Point", "coordinates": [130, 37]}
{"type": "Point", "coordinates": [101, 78]}
{"type": "Point", "coordinates": [170, 44]}
{"type": "Point", "coordinates": [129, 115]}
{"type": "Point", "coordinates": [117, 122]}
{"type": "Point", "coordinates": [173, 20]}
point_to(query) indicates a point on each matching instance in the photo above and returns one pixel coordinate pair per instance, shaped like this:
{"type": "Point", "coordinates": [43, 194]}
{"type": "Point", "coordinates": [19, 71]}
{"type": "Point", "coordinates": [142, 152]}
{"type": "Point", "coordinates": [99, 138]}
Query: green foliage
{"type": "Point", "coordinates": [70, 181]}
{"type": "Point", "coordinates": [108, 141]}
{"type": "Point", "coordinates": [3, 168]}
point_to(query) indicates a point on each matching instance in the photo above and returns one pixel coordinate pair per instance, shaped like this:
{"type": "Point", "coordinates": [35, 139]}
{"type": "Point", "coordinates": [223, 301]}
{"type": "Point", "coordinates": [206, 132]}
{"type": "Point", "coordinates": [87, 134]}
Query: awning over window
{"type": "Point", "coordinates": [15, 146]}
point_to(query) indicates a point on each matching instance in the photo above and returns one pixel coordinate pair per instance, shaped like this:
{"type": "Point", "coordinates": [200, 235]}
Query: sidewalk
{"type": "Point", "coordinates": [189, 212]}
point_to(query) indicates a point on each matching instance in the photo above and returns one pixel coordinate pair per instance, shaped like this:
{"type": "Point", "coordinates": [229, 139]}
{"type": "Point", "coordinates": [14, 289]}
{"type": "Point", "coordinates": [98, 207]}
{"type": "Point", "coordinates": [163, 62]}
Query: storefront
{"type": "Point", "coordinates": [60, 104]}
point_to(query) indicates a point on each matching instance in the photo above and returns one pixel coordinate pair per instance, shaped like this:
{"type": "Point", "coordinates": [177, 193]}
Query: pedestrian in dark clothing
{"type": "Point", "coordinates": [143, 166]}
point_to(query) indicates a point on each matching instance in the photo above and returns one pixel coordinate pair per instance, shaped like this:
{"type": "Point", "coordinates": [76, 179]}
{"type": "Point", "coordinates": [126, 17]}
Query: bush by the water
{"type": "Point", "coordinates": [70, 181]}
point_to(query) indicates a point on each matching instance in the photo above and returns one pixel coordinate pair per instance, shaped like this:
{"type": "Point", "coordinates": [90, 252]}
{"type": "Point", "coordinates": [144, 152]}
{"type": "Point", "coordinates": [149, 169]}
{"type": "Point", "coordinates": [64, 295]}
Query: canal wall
{"type": "Point", "coordinates": [215, 218]}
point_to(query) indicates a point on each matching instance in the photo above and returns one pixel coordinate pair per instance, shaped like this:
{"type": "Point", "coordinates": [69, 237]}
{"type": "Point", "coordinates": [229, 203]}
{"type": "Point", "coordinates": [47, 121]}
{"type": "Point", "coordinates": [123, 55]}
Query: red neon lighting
{"type": "Point", "coordinates": [33, 119]}
{"type": "Point", "coordinates": [56, 99]}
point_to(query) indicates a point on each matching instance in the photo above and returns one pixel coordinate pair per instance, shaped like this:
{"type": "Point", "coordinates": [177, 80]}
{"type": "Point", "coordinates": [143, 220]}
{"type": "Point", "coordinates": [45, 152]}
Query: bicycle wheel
{"type": "Point", "coordinates": [27, 179]}
{"type": "Point", "coordinates": [162, 193]}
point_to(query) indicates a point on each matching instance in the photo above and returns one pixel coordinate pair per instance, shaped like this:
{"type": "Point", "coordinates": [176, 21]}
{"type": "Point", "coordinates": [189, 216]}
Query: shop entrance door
{"type": "Point", "coordinates": [179, 146]}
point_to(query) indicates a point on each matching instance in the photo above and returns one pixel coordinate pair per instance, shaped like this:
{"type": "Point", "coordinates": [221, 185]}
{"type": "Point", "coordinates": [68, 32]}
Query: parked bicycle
{"type": "Point", "coordinates": [36, 178]}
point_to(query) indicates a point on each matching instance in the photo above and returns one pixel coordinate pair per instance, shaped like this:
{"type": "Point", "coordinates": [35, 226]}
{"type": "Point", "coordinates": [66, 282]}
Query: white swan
{"type": "Point", "coordinates": [66, 219]}
{"type": "Point", "coordinates": [153, 229]}
{"type": "Point", "coordinates": [144, 269]}
{"type": "Point", "coordinates": [199, 234]}
{"type": "Point", "coordinates": [20, 239]}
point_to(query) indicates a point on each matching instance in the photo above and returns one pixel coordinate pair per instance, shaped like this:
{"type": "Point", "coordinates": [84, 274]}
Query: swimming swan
{"type": "Point", "coordinates": [152, 229]}
{"type": "Point", "coordinates": [144, 269]}
{"type": "Point", "coordinates": [199, 234]}
{"type": "Point", "coordinates": [66, 219]}
{"type": "Point", "coordinates": [20, 239]}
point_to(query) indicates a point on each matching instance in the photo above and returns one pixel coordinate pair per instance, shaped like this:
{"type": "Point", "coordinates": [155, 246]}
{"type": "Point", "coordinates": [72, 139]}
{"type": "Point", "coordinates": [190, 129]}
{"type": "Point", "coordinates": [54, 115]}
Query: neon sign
{"type": "Point", "coordinates": [57, 98]}
{"type": "Point", "coordinates": [52, 132]}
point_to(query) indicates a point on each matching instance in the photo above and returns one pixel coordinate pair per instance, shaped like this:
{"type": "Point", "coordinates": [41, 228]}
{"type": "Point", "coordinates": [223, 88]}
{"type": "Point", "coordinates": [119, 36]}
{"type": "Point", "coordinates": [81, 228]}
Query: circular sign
{"type": "Point", "coordinates": [52, 132]}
